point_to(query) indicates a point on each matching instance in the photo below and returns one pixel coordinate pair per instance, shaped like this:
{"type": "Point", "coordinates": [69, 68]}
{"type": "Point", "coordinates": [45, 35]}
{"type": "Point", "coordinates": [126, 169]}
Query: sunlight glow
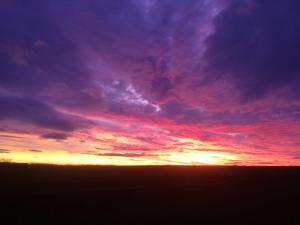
{"type": "Point", "coordinates": [206, 158]}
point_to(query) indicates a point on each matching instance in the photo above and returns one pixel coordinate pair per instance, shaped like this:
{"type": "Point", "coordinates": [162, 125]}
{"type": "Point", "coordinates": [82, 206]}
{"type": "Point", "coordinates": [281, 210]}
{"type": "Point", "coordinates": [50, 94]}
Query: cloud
{"type": "Point", "coordinates": [4, 150]}
{"type": "Point", "coordinates": [185, 114]}
{"type": "Point", "coordinates": [295, 154]}
{"type": "Point", "coordinates": [35, 150]}
{"type": "Point", "coordinates": [35, 112]}
{"type": "Point", "coordinates": [134, 77]}
{"type": "Point", "coordinates": [56, 136]}
{"type": "Point", "coordinates": [82, 52]}
{"type": "Point", "coordinates": [131, 155]}
{"type": "Point", "coordinates": [256, 45]}
{"type": "Point", "coordinates": [124, 147]}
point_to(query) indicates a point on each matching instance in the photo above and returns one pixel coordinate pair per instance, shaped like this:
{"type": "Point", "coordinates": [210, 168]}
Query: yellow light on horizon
{"type": "Point", "coordinates": [198, 157]}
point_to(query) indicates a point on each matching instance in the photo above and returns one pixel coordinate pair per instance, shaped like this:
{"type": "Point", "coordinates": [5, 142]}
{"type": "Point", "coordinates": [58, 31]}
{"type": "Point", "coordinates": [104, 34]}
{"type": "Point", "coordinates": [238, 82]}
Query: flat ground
{"type": "Point", "coordinates": [41, 194]}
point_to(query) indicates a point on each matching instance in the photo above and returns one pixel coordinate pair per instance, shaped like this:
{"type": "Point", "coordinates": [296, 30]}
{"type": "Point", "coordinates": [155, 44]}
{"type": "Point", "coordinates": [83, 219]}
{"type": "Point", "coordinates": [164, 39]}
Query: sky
{"type": "Point", "coordinates": [150, 82]}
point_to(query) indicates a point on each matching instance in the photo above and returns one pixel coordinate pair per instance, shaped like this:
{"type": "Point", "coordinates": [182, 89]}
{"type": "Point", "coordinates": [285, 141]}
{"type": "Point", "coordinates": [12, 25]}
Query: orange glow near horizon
{"type": "Point", "coordinates": [65, 158]}
{"type": "Point", "coordinates": [185, 151]}
{"type": "Point", "coordinates": [178, 151]}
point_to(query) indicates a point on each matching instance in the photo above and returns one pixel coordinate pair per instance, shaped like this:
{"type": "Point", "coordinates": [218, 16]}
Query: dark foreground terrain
{"type": "Point", "coordinates": [40, 194]}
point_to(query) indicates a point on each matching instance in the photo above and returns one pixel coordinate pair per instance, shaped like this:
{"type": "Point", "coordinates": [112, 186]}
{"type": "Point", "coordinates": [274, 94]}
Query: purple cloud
{"type": "Point", "coordinates": [35, 112]}
{"type": "Point", "coordinates": [256, 45]}
{"type": "Point", "coordinates": [56, 136]}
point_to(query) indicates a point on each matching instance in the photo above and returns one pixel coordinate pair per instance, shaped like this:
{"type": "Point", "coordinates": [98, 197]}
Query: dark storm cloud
{"type": "Point", "coordinates": [257, 45]}
{"type": "Point", "coordinates": [56, 136]}
{"type": "Point", "coordinates": [35, 112]}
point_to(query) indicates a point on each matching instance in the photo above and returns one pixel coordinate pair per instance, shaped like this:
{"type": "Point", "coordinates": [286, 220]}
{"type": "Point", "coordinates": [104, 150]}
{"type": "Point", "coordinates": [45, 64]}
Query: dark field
{"type": "Point", "coordinates": [38, 194]}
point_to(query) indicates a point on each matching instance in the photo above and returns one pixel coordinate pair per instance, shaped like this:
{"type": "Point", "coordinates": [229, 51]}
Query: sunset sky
{"type": "Point", "coordinates": [134, 82]}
